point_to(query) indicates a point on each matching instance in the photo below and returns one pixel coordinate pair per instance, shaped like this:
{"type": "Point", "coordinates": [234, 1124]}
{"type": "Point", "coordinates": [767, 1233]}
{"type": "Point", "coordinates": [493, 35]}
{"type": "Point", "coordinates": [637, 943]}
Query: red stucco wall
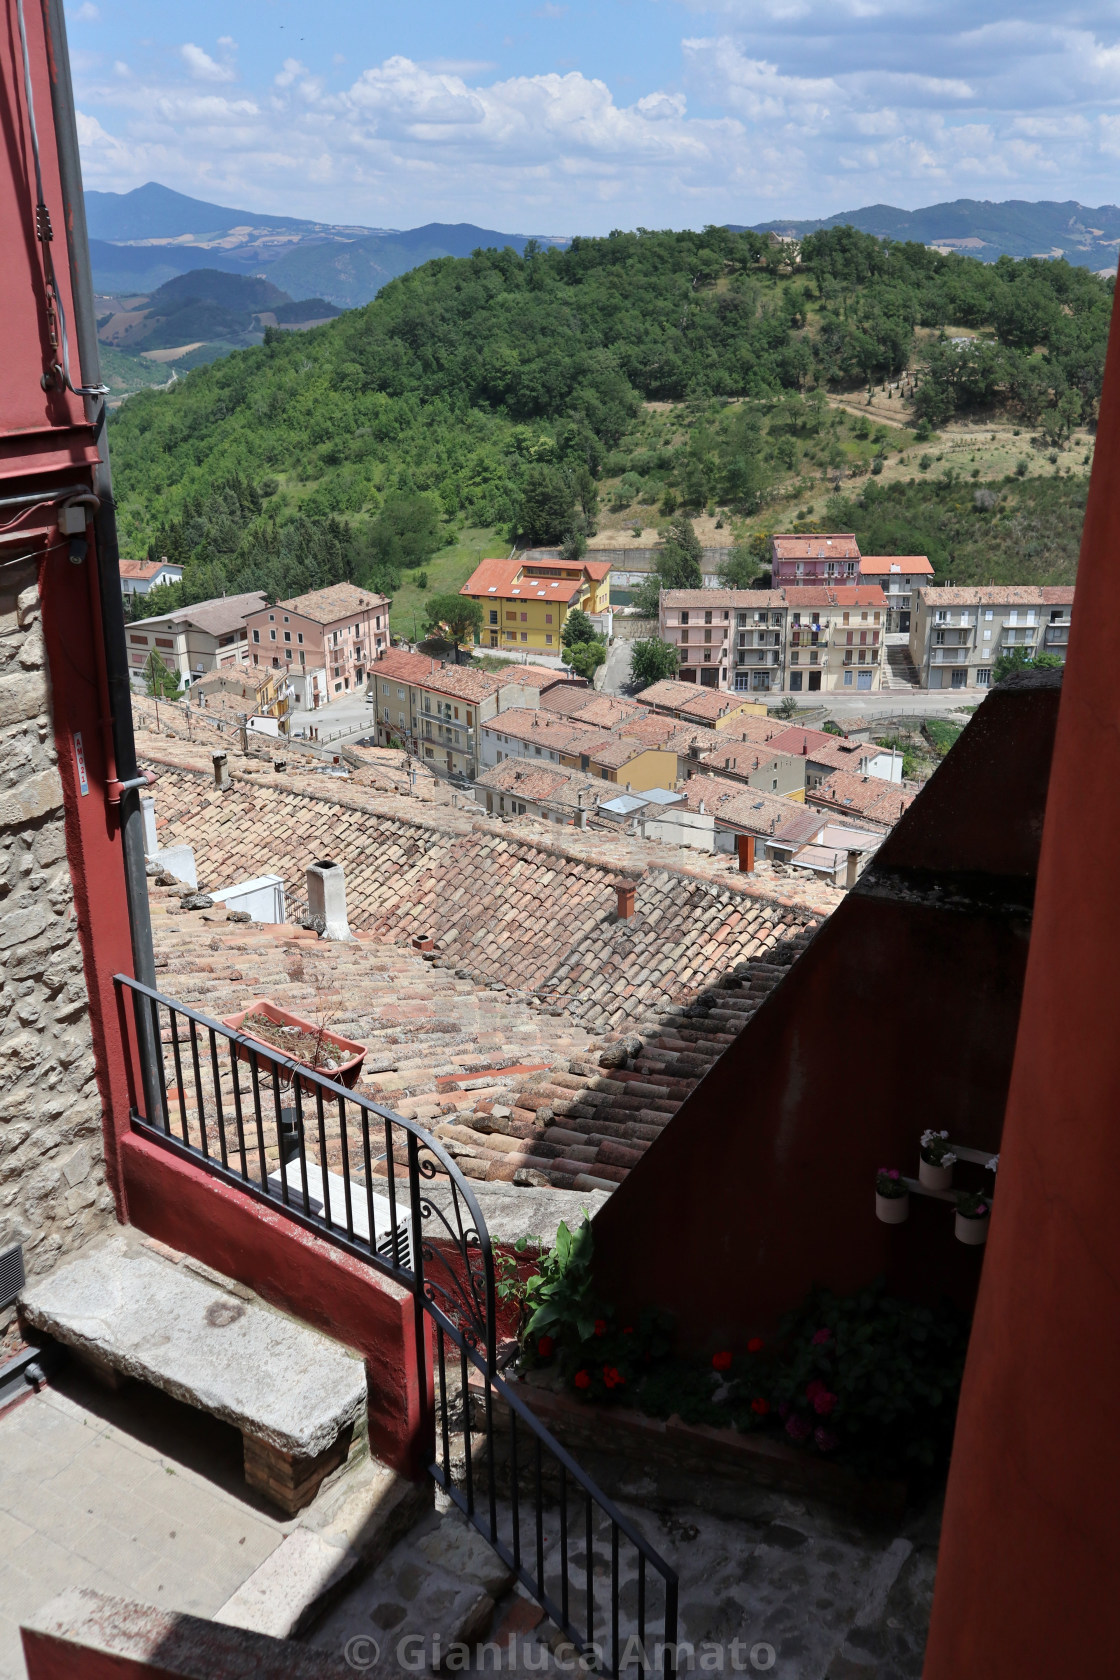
{"type": "Point", "coordinates": [1026, 1582]}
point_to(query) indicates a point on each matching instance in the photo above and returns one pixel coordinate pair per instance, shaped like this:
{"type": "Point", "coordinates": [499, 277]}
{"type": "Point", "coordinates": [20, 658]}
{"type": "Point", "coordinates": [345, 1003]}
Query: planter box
{"type": "Point", "coordinates": [971, 1231]}
{"type": "Point", "coordinates": [934, 1177]}
{"type": "Point", "coordinates": [351, 1054]}
{"type": "Point", "coordinates": [620, 1441]}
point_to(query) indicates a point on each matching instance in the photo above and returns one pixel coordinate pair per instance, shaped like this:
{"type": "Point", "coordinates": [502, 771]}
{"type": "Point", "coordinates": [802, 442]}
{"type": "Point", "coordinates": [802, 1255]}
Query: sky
{"type": "Point", "coordinates": [579, 116]}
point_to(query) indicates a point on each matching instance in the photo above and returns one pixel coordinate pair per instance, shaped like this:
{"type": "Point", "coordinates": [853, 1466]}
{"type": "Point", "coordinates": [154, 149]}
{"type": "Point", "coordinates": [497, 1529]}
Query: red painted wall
{"type": "Point", "coordinates": [901, 1014]}
{"type": "Point", "coordinates": [191, 1211]}
{"type": "Point", "coordinates": [1026, 1582]}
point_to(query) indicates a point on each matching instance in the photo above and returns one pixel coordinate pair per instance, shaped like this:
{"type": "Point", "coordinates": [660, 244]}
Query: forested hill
{"type": "Point", "coordinates": [496, 383]}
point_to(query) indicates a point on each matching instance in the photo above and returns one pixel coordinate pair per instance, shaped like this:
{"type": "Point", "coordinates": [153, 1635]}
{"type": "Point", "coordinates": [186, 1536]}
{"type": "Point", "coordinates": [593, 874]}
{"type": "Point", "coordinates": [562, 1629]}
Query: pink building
{"type": "Point", "coordinates": [342, 628]}
{"type": "Point", "coordinates": [814, 559]}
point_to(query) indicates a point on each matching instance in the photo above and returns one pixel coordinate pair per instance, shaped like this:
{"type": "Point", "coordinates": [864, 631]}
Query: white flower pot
{"type": "Point", "coordinates": [892, 1210]}
{"type": "Point", "coordinates": [934, 1178]}
{"type": "Point", "coordinates": [974, 1231]}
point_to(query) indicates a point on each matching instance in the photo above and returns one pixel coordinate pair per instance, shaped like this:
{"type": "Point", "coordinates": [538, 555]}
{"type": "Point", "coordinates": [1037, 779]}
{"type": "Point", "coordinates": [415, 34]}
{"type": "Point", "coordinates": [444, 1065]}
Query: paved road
{"type": "Point", "coordinates": [616, 672]}
{"type": "Point", "coordinates": [352, 713]}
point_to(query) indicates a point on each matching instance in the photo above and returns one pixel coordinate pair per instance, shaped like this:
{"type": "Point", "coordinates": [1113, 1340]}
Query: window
{"type": "Point", "coordinates": [272, 635]}
{"type": "Point", "coordinates": [493, 616]}
{"type": "Point", "coordinates": [299, 636]}
{"type": "Point", "coordinates": [272, 618]}
{"type": "Point", "coordinates": [988, 616]}
{"type": "Point", "coordinates": [287, 635]}
{"type": "Point", "coordinates": [684, 618]}
{"type": "Point", "coordinates": [707, 635]}
{"type": "Point", "coordinates": [400, 717]}
{"type": "Point", "coordinates": [847, 679]}
{"type": "Point", "coordinates": [987, 635]}
{"type": "Point", "coordinates": [707, 618]}
{"type": "Point", "coordinates": [774, 785]}
{"type": "Point", "coordinates": [524, 636]}
{"type": "Point", "coordinates": [794, 657]}
{"type": "Point", "coordinates": [524, 620]}
{"type": "Point", "coordinates": [468, 715]}
{"type": "Point", "coordinates": [548, 639]}
{"type": "Point", "coordinates": [984, 677]}
{"type": "Point", "coordinates": [256, 636]}
{"type": "Point", "coordinates": [511, 618]}
{"type": "Point", "coordinates": [400, 693]}
{"type": "Point", "coordinates": [287, 653]}
{"type": "Point", "coordinates": [795, 681]}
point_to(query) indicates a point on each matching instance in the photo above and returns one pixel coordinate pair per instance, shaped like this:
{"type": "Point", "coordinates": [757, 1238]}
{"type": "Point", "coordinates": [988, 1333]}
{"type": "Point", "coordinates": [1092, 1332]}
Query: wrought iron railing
{"type": "Point", "coordinates": [378, 1186]}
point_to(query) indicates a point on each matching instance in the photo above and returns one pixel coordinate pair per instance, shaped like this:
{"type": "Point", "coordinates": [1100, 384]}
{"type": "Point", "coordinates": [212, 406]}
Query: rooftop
{"type": "Point", "coordinates": [501, 578]}
{"type": "Point", "coordinates": [526, 779]}
{"type": "Point", "coordinates": [338, 601]}
{"type": "Point", "coordinates": [699, 703]}
{"type": "Point", "coordinates": [744, 757]}
{"type": "Point", "coordinates": [217, 617]}
{"type": "Point", "coordinates": [142, 571]}
{"type": "Point", "coordinates": [869, 797]}
{"type": "Point", "coordinates": [837, 751]}
{"type": "Point", "coordinates": [837, 545]}
{"type": "Point", "coordinates": [741, 598]}
{"type": "Point", "coordinates": [840, 595]}
{"type": "Point", "coordinates": [998, 595]}
{"type": "Point", "coordinates": [606, 711]}
{"type": "Point", "coordinates": [914, 565]}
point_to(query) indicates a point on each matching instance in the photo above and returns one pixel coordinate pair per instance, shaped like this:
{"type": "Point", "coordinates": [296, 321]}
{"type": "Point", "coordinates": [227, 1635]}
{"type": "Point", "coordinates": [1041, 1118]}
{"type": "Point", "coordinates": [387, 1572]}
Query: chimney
{"type": "Point", "coordinates": [326, 898]}
{"type": "Point", "coordinates": [744, 844]}
{"type": "Point", "coordinates": [625, 891]}
{"type": "Point", "coordinates": [151, 844]}
{"type": "Point", "coordinates": [221, 769]}
{"type": "Point", "coordinates": [851, 873]}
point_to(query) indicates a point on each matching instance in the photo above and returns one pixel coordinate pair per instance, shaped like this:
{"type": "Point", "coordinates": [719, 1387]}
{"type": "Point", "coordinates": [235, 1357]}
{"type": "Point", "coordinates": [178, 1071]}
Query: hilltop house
{"type": "Point", "coordinates": [525, 602]}
{"type": "Point", "coordinates": [342, 628]}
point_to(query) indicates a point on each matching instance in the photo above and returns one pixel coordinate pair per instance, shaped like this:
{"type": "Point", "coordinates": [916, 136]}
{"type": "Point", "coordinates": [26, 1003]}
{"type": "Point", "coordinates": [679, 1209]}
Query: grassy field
{"type": "Point", "coordinates": [448, 570]}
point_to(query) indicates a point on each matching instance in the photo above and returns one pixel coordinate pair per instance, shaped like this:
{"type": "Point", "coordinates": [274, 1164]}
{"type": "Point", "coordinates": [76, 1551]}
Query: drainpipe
{"type": "Point", "coordinates": [117, 695]}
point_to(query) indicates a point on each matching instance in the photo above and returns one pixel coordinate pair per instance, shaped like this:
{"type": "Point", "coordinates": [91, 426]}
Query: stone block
{"type": "Point", "coordinates": [23, 695]}
{"type": "Point", "coordinates": [29, 922]}
{"type": "Point", "coordinates": [291, 1480]}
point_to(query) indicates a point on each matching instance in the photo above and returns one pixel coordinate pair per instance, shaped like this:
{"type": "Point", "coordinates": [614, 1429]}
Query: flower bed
{"type": "Point", "coordinates": [868, 1380]}
{"type": "Point", "coordinates": [326, 1052]}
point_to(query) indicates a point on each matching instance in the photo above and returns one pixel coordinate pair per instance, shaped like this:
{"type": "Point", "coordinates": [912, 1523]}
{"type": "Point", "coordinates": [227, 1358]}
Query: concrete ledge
{"type": "Point", "coordinates": [127, 1308]}
{"type": "Point", "coordinates": [87, 1633]}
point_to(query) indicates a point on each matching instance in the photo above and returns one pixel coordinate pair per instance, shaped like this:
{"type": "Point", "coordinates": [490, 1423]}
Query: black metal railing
{"type": "Point", "coordinates": [378, 1186]}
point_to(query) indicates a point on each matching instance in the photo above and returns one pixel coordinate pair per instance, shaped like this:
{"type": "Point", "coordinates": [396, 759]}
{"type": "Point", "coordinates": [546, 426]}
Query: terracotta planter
{"type": "Point", "coordinates": [351, 1054]}
{"type": "Point", "coordinates": [892, 1210]}
{"type": "Point", "coordinates": [972, 1230]}
{"type": "Point", "coordinates": [934, 1178]}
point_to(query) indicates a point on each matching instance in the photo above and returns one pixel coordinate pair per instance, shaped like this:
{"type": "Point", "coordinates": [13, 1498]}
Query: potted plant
{"type": "Point", "coordinates": [935, 1168]}
{"type": "Point", "coordinates": [311, 1043]}
{"type": "Point", "coordinates": [892, 1196]}
{"type": "Point", "coordinates": [973, 1209]}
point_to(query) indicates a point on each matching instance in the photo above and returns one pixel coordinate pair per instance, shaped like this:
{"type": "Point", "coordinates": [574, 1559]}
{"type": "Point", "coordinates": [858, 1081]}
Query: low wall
{"type": "Point", "coordinates": [192, 1211]}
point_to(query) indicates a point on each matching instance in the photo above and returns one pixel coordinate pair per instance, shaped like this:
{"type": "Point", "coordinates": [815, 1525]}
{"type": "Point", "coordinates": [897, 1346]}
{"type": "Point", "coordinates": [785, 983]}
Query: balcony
{"type": "Point", "coordinates": [1023, 635]}
{"type": "Point", "coordinates": [949, 655]}
{"type": "Point", "coordinates": [1057, 635]}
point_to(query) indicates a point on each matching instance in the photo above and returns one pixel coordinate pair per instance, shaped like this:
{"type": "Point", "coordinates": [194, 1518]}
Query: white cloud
{"type": "Point", "coordinates": [203, 67]}
{"type": "Point", "coordinates": [87, 13]}
{"type": "Point", "coordinates": [792, 107]}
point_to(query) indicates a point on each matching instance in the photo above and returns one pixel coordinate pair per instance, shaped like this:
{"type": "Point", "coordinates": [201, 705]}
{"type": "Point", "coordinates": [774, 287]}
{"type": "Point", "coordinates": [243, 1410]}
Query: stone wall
{"type": "Point", "coordinates": [52, 1180]}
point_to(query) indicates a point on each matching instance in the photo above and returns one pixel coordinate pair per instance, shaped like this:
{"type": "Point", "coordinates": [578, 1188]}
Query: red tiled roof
{"type": "Point", "coordinates": [838, 595]}
{"type": "Point", "coordinates": [338, 601]}
{"type": "Point", "coordinates": [871, 565]}
{"type": "Point", "coordinates": [998, 595]}
{"type": "Point", "coordinates": [831, 545]}
{"type": "Point", "coordinates": [869, 797]}
{"type": "Point", "coordinates": [143, 570]}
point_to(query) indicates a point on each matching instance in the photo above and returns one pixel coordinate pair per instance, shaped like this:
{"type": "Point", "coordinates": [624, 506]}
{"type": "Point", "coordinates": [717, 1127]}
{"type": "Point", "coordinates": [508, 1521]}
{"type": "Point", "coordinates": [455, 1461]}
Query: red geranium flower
{"type": "Point", "coordinates": [760, 1406]}
{"type": "Point", "coordinates": [600, 1326]}
{"type": "Point", "coordinates": [823, 1401]}
{"type": "Point", "coordinates": [755, 1345]}
{"type": "Point", "coordinates": [613, 1378]}
{"type": "Point", "coordinates": [628, 1330]}
{"type": "Point", "coordinates": [545, 1346]}
{"type": "Point", "coordinates": [721, 1361]}
{"type": "Point", "coordinates": [582, 1379]}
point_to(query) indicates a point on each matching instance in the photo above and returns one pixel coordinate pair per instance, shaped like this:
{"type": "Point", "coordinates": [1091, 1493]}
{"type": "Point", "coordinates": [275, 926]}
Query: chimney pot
{"type": "Point", "coordinates": [326, 898]}
{"type": "Point", "coordinates": [625, 891]}
{"type": "Point", "coordinates": [221, 770]}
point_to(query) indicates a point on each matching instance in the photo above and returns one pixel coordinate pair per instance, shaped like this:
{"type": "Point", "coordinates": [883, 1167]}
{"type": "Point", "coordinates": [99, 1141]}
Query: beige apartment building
{"type": "Point", "coordinates": [208, 636]}
{"type": "Point", "coordinates": [436, 711]}
{"type": "Point", "coordinates": [805, 639]}
{"type": "Point", "coordinates": [958, 634]}
{"type": "Point", "coordinates": [341, 628]}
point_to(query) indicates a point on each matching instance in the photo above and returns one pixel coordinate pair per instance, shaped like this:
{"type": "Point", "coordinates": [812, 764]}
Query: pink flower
{"type": "Point", "coordinates": [826, 1439]}
{"type": "Point", "coordinates": [824, 1402]}
{"type": "Point", "coordinates": [798, 1428]}
{"type": "Point", "coordinates": [825, 1334]}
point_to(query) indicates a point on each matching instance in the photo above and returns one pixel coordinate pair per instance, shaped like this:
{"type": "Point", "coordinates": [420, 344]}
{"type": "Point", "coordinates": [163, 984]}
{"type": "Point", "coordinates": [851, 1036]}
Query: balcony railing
{"type": "Point", "coordinates": [313, 1151]}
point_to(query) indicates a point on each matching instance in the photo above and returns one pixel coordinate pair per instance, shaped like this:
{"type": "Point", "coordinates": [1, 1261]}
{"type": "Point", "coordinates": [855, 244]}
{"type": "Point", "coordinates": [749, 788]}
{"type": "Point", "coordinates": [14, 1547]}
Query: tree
{"type": "Point", "coordinates": [585, 658]}
{"type": "Point", "coordinates": [652, 660]}
{"type": "Point", "coordinates": [455, 616]}
{"type": "Point", "coordinates": [577, 628]}
{"type": "Point", "coordinates": [548, 504]}
{"type": "Point", "coordinates": [159, 681]}
{"type": "Point", "coordinates": [744, 567]}
{"type": "Point", "coordinates": [1020, 659]}
{"type": "Point", "coordinates": [678, 558]}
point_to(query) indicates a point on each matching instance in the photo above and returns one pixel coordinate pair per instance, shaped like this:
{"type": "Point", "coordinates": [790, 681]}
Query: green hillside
{"type": "Point", "coordinates": [499, 391]}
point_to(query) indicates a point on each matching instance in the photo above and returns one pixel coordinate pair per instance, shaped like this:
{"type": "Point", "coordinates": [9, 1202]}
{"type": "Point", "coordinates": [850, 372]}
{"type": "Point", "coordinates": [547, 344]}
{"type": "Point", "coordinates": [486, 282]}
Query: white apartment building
{"type": "Point", "coordinates": [958, 634]}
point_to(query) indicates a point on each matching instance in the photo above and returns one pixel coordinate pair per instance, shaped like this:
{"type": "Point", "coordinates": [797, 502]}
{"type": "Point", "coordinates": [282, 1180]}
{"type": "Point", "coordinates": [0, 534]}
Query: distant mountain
{"type": "Point", "coordinates": [141, 239]}
{"type": "Point", "coordinates": [207, 308]}
{"type": "Point", "coordinates": [352, 274]}
{"type": "Point", "coordinates": [979, 228]}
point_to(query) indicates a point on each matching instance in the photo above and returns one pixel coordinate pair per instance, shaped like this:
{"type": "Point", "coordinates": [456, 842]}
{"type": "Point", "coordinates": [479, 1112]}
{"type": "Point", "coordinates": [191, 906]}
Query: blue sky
{"type": "Point", "coordinates": [567, 116]}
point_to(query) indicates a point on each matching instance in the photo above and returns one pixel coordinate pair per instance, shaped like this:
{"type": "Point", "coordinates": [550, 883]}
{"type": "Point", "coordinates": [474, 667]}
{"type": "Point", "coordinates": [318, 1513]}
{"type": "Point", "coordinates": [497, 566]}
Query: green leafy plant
{"type": "Point", "coordinates": [889, 1182]}
{"type": "Point", "coordinates": [973, 1204]}
{"type": "Point", "coordinates": [652, 660]}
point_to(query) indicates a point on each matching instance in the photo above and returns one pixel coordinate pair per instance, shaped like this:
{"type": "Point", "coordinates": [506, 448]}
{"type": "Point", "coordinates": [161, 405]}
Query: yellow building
{"type": "Point", "coordinates": [525, 602]}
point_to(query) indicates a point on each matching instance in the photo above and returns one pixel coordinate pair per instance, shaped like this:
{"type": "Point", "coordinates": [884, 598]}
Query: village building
{"type": "Point", "coordinates": [140, 577]}
{"type": "Point", "coordinates": [800, 640]}
{"type": "Point", "coordinates": [899, 577]}
{"type": "Point", "coordinates": [609, 755]}
{"type": "Point", "coordinates": [519, 788]}
{"type": "Point", "coordinates": [713, 711]}
{"type": "Point", "coordinates": [208, 636]}
{"type": "Point", "coordinates": [782, 773]}
{"type": "Point", "coordinates": [823, 753]}
{"type": "Point", "coordinates": [868, 798]}
{"type": "Point", "coordinates": [958, 634]}
{"type": "Point", "coordinates": [435, 710]}
{"type": "Point", "coordinates": [341, 628]}
{"type": "Point", "coordinates": [526, 601]}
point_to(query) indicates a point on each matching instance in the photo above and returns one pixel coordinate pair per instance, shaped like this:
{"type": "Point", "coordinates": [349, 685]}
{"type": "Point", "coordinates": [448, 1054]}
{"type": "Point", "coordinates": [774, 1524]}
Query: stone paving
{"type": "Point", "coordinates": [807, 1593]}
{"type": "Point", "coordinates": [130, 1493]}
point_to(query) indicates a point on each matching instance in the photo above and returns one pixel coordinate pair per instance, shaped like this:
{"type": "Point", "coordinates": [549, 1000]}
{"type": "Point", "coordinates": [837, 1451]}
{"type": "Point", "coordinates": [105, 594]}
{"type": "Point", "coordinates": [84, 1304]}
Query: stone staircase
{"type": "Point", "coordinates": [900, 670]}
